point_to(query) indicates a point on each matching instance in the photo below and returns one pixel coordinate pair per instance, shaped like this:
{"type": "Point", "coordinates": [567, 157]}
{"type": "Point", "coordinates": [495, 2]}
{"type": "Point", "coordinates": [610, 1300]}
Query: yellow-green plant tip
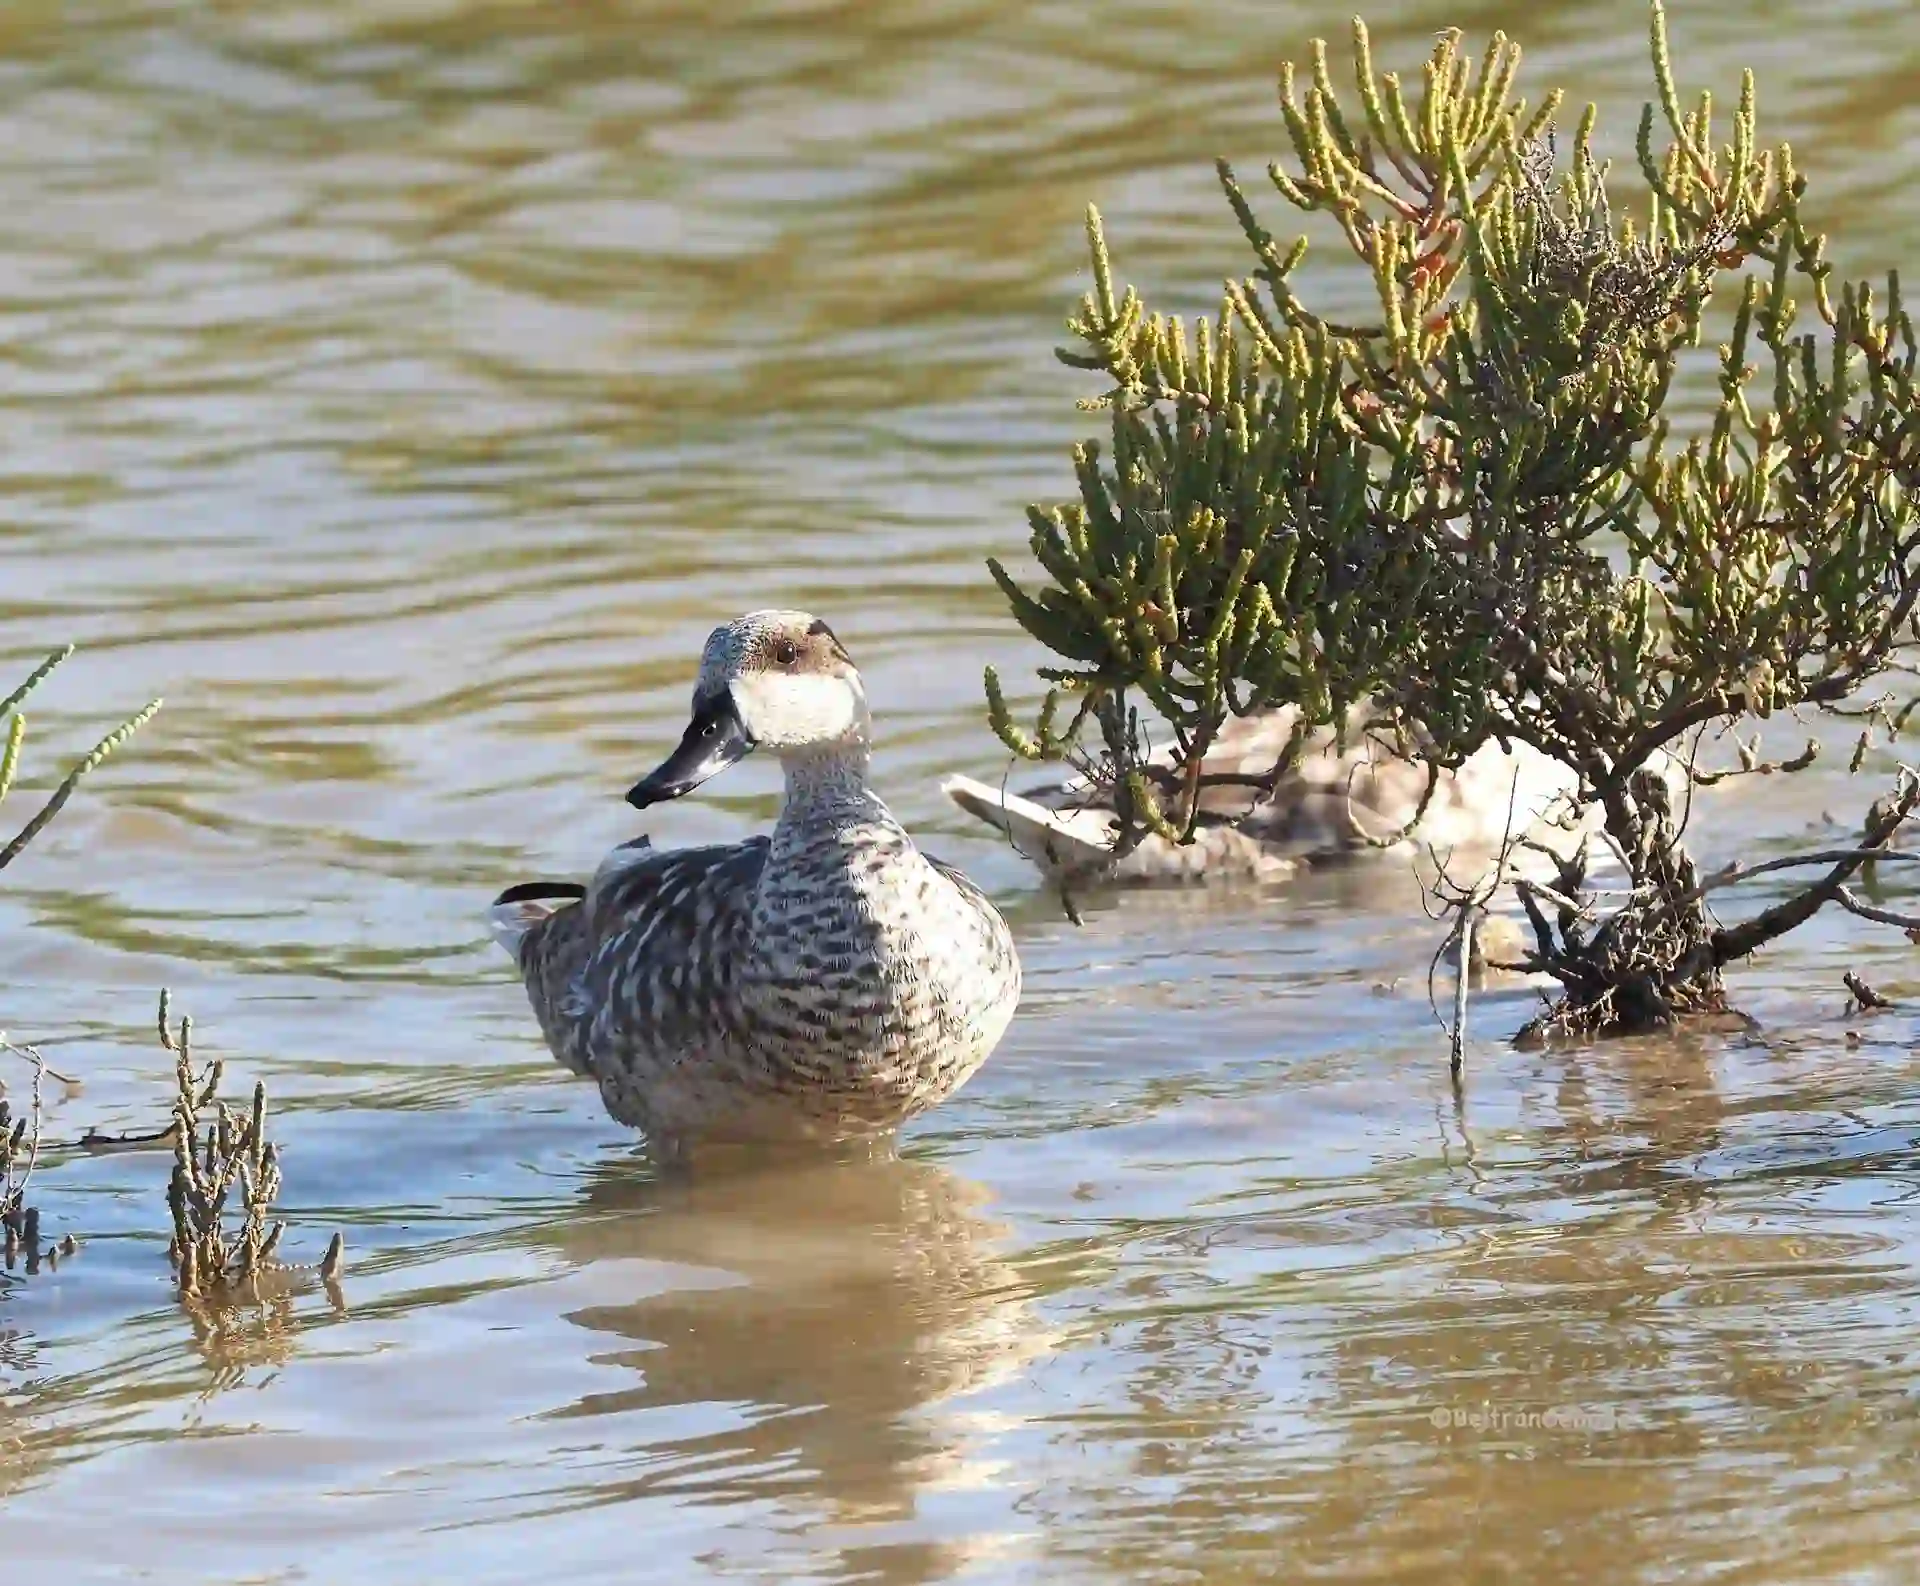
{"type": "Point", "coordinates": [35, 678]}
{"type": "Point", "coordinates": [11, 749]}
{"type": "Point", "coordinates": [10, 755]}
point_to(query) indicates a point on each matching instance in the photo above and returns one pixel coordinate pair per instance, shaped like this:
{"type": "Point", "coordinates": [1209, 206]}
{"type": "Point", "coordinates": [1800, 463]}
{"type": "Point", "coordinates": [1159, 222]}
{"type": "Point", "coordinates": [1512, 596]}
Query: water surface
{"type": "Point", "coordinates": [403, 387]}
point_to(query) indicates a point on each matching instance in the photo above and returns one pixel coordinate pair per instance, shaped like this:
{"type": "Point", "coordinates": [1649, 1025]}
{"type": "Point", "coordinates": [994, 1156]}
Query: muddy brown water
{"type": "Point", "coordinates": [402, 387]}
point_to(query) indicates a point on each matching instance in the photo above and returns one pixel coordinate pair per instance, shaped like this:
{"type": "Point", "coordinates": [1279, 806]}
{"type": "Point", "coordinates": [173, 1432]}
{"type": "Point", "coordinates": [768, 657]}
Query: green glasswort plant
{"type": "Point", "coordinates": [1469, 514]}
{"type": "Point", "coordinates": [13, 732]}
{"type": "Point", "coordinates": [217, 1151]}
{"type": "Point", "coordinates": [20, 1136]}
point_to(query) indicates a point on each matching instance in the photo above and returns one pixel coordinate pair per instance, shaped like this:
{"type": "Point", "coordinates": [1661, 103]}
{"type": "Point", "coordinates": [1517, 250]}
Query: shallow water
{"type": "Point", "coordinates": [402, 387]}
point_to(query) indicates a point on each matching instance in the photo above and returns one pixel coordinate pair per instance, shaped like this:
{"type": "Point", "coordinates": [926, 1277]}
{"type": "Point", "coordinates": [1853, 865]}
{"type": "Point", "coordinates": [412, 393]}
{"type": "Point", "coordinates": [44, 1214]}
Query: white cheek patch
{"type": "Point", "coordinates": [782, 711]}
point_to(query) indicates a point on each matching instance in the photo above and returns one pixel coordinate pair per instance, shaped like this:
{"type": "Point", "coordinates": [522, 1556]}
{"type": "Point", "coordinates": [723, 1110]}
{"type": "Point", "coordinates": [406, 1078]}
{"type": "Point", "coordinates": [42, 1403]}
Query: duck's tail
{"type": "Point", "coordinates": [1056, 840]}
{"type": "Point", "coordinates": [519, 909]}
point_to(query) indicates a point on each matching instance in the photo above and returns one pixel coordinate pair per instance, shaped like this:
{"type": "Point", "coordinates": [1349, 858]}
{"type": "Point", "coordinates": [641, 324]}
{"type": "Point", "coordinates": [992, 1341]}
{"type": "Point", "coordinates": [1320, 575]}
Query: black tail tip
{"type": "Point", "coordinates": [542, 892]}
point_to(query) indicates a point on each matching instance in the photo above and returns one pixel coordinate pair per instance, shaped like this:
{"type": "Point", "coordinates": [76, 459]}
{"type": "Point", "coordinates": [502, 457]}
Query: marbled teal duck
{"type": "Point", "coordinates": [1315, 811]}
{"type": "Point", "coordinates": [828, 981]}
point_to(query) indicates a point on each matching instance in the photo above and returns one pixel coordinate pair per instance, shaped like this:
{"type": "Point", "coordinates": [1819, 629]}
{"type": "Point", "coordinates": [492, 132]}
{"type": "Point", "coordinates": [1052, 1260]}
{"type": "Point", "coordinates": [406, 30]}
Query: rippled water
{"type": "Point", "coordinates": [403, 387]}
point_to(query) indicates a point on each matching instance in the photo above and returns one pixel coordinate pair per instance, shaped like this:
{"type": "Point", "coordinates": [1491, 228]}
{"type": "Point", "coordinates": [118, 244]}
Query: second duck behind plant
{"type": "Point", "coordinates": [827, 982]}
{"type": "Point", "coordinates": [1274, 803]}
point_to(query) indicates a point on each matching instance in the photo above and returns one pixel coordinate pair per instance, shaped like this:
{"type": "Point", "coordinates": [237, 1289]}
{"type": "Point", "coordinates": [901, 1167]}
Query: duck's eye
{"type": "Point", "coordinates": [785, 652]}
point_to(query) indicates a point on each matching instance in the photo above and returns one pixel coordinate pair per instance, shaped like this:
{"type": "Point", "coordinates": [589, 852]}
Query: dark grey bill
{"type": "Point", "coordinates": [715, 738]}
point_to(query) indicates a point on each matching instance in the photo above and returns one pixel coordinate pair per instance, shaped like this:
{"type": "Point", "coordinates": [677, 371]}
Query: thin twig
{"type": "Point", "coordinates": [13, 1191]}
{"type": "Point", "coordinates": [1391, 839]}
{"type": "Point", "coordinates": [1528, 887]}
{"type": "Point", "coordinates": [1457, 1039]}
{"type": "Point", "coordinates": [1466, 901]}
{"type": "Point", "coordinates": [1852, 902]}
{"type": "Point", "coordinates": [32, 1055]}
{"type": "Point", "coordinates": [1729, 874]}
{"type": "Point", "coordinates": [1886, 818]}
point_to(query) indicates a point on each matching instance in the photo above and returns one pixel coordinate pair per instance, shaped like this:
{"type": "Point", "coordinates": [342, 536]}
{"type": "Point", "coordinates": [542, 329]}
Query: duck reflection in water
{"type": "Point", "coordinates": [809, 1326]}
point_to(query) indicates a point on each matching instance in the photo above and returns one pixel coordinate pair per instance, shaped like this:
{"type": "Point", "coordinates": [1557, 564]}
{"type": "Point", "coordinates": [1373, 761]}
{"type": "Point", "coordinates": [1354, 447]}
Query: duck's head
{"type": "Point", "coordinates": [776, 680]}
